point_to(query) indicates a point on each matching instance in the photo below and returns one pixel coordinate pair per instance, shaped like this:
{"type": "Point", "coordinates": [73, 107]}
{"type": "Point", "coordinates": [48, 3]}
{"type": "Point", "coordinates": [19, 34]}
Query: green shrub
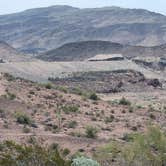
{"type": "Point", "coordinates": [70, 108]}
{"type": "Point", "coordinates": [82, 161]}
{"type": "Point", "coordinates": [109, 119]}
{"type": "Point", "coordinates": [11, 96]}
{"type": "Point", "coordinates": [66, 152]}
{"type": "Point", "coordinates": [72, 124]}
{"type": "Point", "coordinates": [91, 132]}
{"type": "Point", "coordinates": [140, 149]}
{"type": "Point", "coordinates": [62, 89]}
{"type": "Point", "coordinates": [12, 154]}
{"type": "Point", "coordinates": [149, 147]}
{"type": "Point", "coordinates": [93, 96]}
{"type": "Point", "coordinates": [48, 86]}
{"type": "Point", "coordinates": [9, 77]}
{"type": "Point", "coordinates": [23, 119]}
{"type": "Point", "coordinates": [124, 101]}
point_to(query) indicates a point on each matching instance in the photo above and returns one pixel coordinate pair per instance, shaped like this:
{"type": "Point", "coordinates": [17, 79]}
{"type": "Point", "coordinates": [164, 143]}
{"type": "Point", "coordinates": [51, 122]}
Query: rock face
{"type": "Point", "coordinates": [42, 29]}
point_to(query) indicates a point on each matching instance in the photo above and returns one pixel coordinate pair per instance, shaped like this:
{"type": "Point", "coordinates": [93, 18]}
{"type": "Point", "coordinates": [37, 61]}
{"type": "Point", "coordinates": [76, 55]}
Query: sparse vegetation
{"type": "Point", "coordinates": [48, 86]}
{"type": "Point", "coordinates": [109, 119]}
{"type": "Point", "coordinates": [149, 147]}
{"type": "Point", "coordinates": [70, 109]}
{"type": "Point", "coordinates": [72, 124]}
{"type": "Point", "coordinates": [11, 96]}
{"type": "Point", "coordinates": [91, 132]}
{"type": "Point", "coordinates": [12, 154]}
{"type": "Point", "coordinates": [23, 119]}
{"type": "Point", "coordinates": [93, 96]}
{"type": "Point", "coordinates": [124, 101]}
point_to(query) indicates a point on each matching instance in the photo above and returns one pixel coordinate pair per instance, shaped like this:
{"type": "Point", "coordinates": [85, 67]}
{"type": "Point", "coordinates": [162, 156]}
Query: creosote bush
{"type": "Point", "coordinates": [23, 119]}
{"type": "Point", "coordinates": [124, 101]}
{"type": "Point", "coordinates": [91, 132]}
{"type": "Point", "coordinates": [48, 86]}
{"type": "Point", "coordinates": [93, 96]}
{"type": "Point", "coordinates": [70, 109]}
{"type": "Point", "coordinates": [12, 154]}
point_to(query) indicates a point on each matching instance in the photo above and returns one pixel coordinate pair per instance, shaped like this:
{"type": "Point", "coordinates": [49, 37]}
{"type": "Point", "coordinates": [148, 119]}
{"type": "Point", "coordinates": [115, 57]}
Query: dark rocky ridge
{"type": "Point", "coordinates": [87, 49]}
{"type": "Point", "coordinates": [109, 82]}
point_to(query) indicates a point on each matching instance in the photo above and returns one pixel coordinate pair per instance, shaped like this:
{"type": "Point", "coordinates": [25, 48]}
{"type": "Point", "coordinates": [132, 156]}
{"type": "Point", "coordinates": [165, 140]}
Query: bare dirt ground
{"type": "Point", "coordinates": [40, 71]}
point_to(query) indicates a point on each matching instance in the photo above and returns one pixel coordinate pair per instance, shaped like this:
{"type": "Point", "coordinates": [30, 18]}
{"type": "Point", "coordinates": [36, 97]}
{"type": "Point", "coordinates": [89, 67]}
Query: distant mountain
{"type": "Point", "coordinates": [83, 50]}
{"type": "Point", "coordinates": [42, 29]}
{"type": "Point", "coordinates": [9, 54]}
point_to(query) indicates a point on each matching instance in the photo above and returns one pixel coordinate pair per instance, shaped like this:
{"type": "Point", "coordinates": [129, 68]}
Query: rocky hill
{"type": "Point", "coordinates": [42, 29]}
{"type": "Point", "coordinates": [83, 50]}
{"type": "Point", "coordinates": [10, 54]}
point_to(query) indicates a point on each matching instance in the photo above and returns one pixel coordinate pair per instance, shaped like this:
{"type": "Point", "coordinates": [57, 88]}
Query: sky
{"type": "Point", "coordinates": [12, 6]}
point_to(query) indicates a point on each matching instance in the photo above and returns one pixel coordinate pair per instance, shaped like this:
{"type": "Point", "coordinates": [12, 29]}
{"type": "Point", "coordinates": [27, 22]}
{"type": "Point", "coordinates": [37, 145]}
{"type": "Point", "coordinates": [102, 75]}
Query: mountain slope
{"type": "Point", "coordinates": [9, 54]}
{"type": "Point", "coordinates": [42, 29]}
{"type": "Point", "coordinates": [83, 50]}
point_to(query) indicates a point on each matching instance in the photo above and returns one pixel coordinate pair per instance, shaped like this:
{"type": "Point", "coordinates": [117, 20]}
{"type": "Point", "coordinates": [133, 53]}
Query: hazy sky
{"type": "Point", "coordinates": [10, 6]}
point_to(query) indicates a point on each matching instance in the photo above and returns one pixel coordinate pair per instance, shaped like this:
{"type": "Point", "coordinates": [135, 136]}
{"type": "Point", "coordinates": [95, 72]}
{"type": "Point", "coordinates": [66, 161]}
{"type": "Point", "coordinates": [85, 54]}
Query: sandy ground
{"type": "Point", "coordinates": [41, 71]}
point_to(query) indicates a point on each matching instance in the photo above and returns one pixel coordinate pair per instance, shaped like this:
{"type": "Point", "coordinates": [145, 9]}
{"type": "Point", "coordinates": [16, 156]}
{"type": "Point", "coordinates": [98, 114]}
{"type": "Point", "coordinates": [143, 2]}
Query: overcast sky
{"type": "Point", "coordinates": [11, 6]}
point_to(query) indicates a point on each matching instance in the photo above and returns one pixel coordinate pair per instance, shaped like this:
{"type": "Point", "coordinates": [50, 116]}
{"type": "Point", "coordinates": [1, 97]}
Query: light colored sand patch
{"type": "Point", "coordinates": [41, 71]}
{"type": "Point", "coordinates": [100, 57]}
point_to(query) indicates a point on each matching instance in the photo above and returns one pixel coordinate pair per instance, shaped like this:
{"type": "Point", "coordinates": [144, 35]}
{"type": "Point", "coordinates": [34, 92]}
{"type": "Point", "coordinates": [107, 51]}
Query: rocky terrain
{"type": "Point", "coordinates": [85, 81]}
{"type": "Point", "coordinates": [84, 50]}
{"type": "Point", "coordinates": [109, 81]}
{"type": "Point", "coordinates": [52, 115]}
{"type": "Point", "coordinates": [42, 29]}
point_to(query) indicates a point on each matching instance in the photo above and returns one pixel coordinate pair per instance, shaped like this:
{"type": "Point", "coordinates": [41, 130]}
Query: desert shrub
{"type": "Point", "coordinates": [31, 92]}
{"type": "Point", "coordinates": [12, 154]}
{"type": "Point", "coordinates": [108, 153]}
{"type": "Point", "coordinates": [11, 96]}
{"type": "Point", "coordinates": [78, 91]}
{"type": "Point", "coordinates": [2, 113]}
{"type": "Point", "coordinates": [146, 149]}
{"type": "Point", "coordinates": [62, 89]}
{"type": "Point", "coordinates": [109, 119]}
{"type": "Point", "coordinates": [91, 132]}
{"type": "Point", "coordinates": [93, 96]}
{"type": "Point", "coordinates": [70, 108]}
{"type": "Point", "coordinates": [66, 152]}
{"type": "Point", "coordinates": [82, 161]}
{"type": "Point", "coordinates": [140, 149]}
{"type": "Point", "coordinates": [23, 119]}
{"type": "Point", "coordinates": [72, 124]}
{"type": "Point", "coordinates": [9, 77]}
{"type": "Point", "coordinates": [152, 116]}
{"type": "Point", "coordinates": [124, 101]}
{"type": "Point", "coordinates": [151, 108]}
{"type": "Point", "coordinates": [48, 86]}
